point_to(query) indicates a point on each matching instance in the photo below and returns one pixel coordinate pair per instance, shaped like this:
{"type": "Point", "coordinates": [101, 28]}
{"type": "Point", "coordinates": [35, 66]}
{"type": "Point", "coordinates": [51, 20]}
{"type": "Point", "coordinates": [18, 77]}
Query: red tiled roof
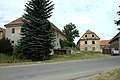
{"type": "Point", "coordinates": [15, 22]}
{"type": "Point", "coordinates": [104, 42]}
{"type": "Point", "coordinates": [89, 32]}
{"type": "Point", "coordinates": [2, 30]}
{"type": "Point", "coordinates": [19, 22]}
{"type": "Point", "coordinates": [58, 30]}
{"type": "Point", "coordinates": [115, 37]}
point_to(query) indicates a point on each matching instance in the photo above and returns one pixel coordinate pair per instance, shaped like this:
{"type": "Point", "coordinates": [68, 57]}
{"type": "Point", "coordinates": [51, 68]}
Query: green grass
{"type": "Point", "coordinates": [7, 59]}
{"type": "Point", "coordinates": [10, 60]}
{"type": "Point", "coordinates": [111, 75]}
{"type": "Point", "coordinates": [78, 56]}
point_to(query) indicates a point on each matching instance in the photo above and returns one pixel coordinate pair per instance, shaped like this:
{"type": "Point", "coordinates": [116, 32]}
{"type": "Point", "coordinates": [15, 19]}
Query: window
{"type": "Point", "coordinates": [85, 42]}
{"type": "Point", "coordinates": [93, 42]}
{"type": "Point", "coordinates": [93, 48]}
{"type": "Point", "coordinates": [12, 42]}
{"type": "Point", "coordinates": [85, 35]}
{"type": "Point", "coordinates": [13, 30]}
{"type": "Point", "coordinates": [85, 48]}
{"type": "Point", "coordinates": [92, 35]}
{"type": "Point", "coordinates": [22, 30]}
{"type": "Point", "coordinates": [57, 35]}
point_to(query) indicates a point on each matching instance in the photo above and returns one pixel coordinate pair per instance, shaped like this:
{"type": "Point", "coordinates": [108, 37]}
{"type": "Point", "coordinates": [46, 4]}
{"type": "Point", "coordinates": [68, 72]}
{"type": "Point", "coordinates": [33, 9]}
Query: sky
{"type": "Point", "coordinates": [95, 15]}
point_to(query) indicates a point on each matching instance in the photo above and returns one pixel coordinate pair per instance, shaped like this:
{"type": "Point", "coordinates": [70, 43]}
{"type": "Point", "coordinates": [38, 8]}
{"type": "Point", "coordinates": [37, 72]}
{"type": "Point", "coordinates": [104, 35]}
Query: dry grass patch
{"type": "Point", "coordinates": [111, 75]}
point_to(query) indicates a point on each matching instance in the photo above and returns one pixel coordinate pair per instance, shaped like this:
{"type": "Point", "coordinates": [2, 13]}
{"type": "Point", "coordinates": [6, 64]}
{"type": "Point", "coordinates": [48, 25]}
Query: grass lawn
{"type": "Point", "coordinates": [8, 61]}
{"type": "Point", "coordinates": [77, 56]}
{"type": "Point", "coordinates": [111, 75]}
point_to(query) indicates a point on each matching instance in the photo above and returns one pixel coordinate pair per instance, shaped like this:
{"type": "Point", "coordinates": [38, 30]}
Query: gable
{"type": "Point", "coordinates": [89, 35]}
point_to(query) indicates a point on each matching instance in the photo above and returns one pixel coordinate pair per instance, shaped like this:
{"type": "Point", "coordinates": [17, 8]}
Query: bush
{"type": "Point", "coordinates": [5, 46]}
{"type": "Point", "coordinates": [66, 44]}
{"type": "Point", "coordinates": [16, 51]}
{"type": "Point", "coordinates": [6, 58]}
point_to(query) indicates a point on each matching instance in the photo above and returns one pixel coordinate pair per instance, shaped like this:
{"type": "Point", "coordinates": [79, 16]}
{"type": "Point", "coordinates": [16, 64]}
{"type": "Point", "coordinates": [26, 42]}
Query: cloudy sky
{"type": "Point", "coordinates": [95, 15]}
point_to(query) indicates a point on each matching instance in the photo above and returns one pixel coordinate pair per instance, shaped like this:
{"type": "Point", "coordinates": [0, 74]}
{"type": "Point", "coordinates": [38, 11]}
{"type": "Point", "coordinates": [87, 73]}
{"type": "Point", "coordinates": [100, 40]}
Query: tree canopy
{"type": "Point", "coordinates": [71, 32]}
{"type": "Point", "coordinates": [118, 22]}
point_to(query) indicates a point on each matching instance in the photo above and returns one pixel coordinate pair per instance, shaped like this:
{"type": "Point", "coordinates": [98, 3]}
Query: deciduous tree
{"type": "Point", "coordinates": [118, 22]}
{"type": "Point", "coordinates": [71, 32]}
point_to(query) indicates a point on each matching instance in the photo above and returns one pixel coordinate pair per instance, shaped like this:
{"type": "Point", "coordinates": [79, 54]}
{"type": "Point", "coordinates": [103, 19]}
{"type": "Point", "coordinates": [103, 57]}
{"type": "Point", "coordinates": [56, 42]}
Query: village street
{"type": "Point", "coordinates": [70, 70]}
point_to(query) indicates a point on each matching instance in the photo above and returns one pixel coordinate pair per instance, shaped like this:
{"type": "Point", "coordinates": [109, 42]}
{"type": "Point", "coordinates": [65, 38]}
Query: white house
{"type": "Point", "coordinates": [89, 42]}
{"type": "Point", "coordinates": [13, 30]}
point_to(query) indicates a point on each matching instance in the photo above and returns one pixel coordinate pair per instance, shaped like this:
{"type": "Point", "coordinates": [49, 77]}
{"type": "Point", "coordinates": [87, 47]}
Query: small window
{"type": "Point", "coordinates": [85, 48]}
{"type": "Point", "coordinates": [13, 30]}
{"type": "Point", "coordinates": [93, 42]}
{"type": "Point", "coordinates": [92, 35]}
{"type": "Point", "coordinates": [12, 42]}
{"type": "Point", "coordinates": [85, 35]}
{"type": "Point", "coordinates": [22, 30]}
{"type": "Point", "coordinates": [57, 35]}
{"type": "Point", "coordinates": [93, 48]}
{"type": "Point", "coordinates": [85, 42]}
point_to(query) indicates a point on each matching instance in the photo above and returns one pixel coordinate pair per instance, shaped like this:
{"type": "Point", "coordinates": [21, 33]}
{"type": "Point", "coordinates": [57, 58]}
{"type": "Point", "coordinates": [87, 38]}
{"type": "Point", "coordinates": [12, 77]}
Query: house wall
{"type": "Point", "coordinates": [115, 44]}
{"type": "Point", "coordinates": [2, 33]}
{"type": "Point", "coordinates": [57, 40]}
{"type": "Point", "coordinates": [90, 46]}
{"type": "Point", "coordinates": [14, 37]}
{"type": "Point", "coordinates": [89, 42]}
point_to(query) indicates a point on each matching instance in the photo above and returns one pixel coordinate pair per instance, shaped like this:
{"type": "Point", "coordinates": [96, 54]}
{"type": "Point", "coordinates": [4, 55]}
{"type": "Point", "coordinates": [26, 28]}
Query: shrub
{"type": "Point", "coordinates": [66, 44]}
{"type": "Point", "coordinates": [6, 58]}
{"type": "Point", "coordinates": [5, 46]}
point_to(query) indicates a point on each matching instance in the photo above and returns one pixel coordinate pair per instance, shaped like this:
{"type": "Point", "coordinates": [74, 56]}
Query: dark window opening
{"type": "Point", "coordinates": [12, 42]}
{"type": "Point", "coordinates": [93, 42]}
{"type": "Point", "coordinates": [92, 35]}
{"type": "Point", "coordinates": [13, 30]}
{"type": "Point", "coordinates": [22, 30]}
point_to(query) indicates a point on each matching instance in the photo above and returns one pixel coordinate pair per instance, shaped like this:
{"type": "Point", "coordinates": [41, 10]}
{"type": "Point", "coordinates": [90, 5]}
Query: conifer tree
{"type": "Point", "coordinates": [37, 34]}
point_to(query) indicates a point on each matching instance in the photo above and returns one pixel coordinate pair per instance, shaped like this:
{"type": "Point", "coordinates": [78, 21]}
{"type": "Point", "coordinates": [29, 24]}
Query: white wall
{"type": "Point", "coordinates": [13, 36]}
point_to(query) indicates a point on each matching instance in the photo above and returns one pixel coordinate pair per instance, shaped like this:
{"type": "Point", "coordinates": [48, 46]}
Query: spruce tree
{"type": "Point", "coordinates": [37, 33]}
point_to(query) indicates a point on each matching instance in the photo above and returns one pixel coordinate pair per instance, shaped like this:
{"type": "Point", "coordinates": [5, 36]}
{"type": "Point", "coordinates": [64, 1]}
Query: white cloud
{"type": "Point", "coordinates": [76, 19]}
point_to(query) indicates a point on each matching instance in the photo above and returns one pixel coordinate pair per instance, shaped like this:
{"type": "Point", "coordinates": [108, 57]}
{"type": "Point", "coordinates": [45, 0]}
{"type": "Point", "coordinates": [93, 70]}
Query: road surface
{"type": "Point", "coordinates": [70, 70]}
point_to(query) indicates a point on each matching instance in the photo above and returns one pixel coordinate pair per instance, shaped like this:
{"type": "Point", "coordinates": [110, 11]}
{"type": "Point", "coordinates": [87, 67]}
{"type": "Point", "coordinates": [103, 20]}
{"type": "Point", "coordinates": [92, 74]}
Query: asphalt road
{"type": "Point", "coordinates": [71, 70]}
